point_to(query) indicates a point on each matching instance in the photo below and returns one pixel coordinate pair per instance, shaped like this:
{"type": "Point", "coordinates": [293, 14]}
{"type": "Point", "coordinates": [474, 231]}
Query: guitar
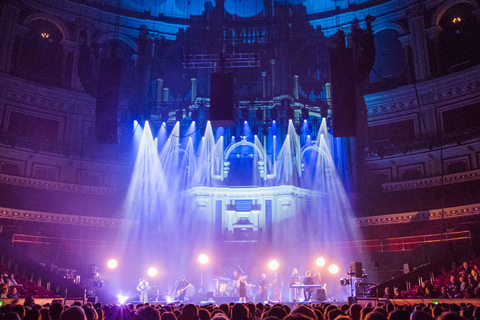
{"type": "Point", "coordinates": [183, 289]}
{"type": "Point", "coordinates": [260, 288]}
{"type": "Point", "coordinates": [145, 289]}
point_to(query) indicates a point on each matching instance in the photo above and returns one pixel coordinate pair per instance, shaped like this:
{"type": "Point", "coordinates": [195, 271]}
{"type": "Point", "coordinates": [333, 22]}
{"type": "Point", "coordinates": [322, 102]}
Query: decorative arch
{"type": "Point", "coordinates": [311, 148]}
{"type": "Point", "coordinates": [437, 16]}
{"type": "Point", "coordinates": [52, 19]}
{"type": "Point", "coordinates": [123, 37]}
{"type": "Point", "coordinates": [262, 154]}
{"type": "Point", "coordinates": [388, 25]}
{"type": "Point", "coordinates": [230, 148]}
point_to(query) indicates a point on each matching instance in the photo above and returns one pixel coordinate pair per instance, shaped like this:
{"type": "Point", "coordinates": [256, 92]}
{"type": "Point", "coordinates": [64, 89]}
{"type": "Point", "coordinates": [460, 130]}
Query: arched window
{"type": "Point", "coordinates": [389, 69]}
{"type": "Point", "coordinates": [41, 54]}
{"type": "Point", "coordinates": [458, 39]}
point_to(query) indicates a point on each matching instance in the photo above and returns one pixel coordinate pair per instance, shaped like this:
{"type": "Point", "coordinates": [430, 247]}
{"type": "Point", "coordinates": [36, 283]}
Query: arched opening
{"type": "Point", "coordinates": [458, 39]}
{"type": "Point", "coordinates": [389, 70]}
{"type": "Point", "coordinates": [40, 54]}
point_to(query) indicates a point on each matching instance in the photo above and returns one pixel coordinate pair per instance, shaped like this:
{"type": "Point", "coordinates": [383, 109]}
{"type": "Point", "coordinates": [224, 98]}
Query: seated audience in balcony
{"type": "Point", "coordinates": [3, 291]}
{"type": "Point", "coordinates": [429, 293]}
{"type": "Point", "coordinates": [466, 269]}
{"type": "Point", "coordinates": [471, 283]}
{"type": "Point", "coordinates": [387, 294]}
{"type": "Point", "coordinates": [396, 293]}
{"type": "Point", "coordinates": [444, 293]}
{"type": "Point", "coordinates": [477, 294]}
{"type": "Point", "coordinates": [453, 283]}
{"type": "Point", "coordinates": [418, 293]}
{"type": "Point", "coordinates": [13, 293]}
{"type": "Point", "coordinates": [463, 284]}
{"type": "Point", "coordinates": [457, 293]}
{"type": "Point", "coordinates": [11, 280]}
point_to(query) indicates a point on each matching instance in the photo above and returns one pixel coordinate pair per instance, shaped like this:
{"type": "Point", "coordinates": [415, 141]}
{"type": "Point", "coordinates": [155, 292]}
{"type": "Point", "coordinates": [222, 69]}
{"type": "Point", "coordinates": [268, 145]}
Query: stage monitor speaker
{"type": "Point", "coordinates": [356, 267]}
{"type": "Point", "coordinates": [221, 99]}
{"type": "Point", "coordinates": [350, 300]}
{"type": "Point", "coordinates": [92, 299]}
{"type": "Point", "coordinates": [407, 267]}
{"type": "Point", "coordinates": [106, 112]}
{"type": "Point", "coordinates": [343, 93]}
{"type": "Point", "coordinates": [321, 295]}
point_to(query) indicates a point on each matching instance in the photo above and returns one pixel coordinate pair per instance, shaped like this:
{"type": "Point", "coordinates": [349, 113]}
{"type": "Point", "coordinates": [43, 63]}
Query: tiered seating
{"type": "Point", "coordinates": [28, 288]}
{"type": "Point", "coordinates": [441, 280]}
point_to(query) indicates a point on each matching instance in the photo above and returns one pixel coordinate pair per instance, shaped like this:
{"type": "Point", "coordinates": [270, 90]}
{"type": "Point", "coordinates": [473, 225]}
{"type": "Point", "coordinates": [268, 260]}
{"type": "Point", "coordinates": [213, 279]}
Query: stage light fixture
{"type": "Point", "coordinates": [112, 264]}
{"type": "Point", "coordinates": [305, 113]}
{"type": "Point", "coordinates": [344, 281]}
{"type": "Point", "coordinates": [273, 114]}
{"type": "Point", "coordinates": [333, 269]}
{"type": "Point", "coordinates": [202, 259]}
{"type": "Point", "coordinates": [320, 261]}
{"type": "Point", "coordinates": [179, 115]}
{"type": "Point", "coordinates": [290, 113]}
{"type": "Point", "coordinates": [152, 272]}
{"type": "Point", "coordinates": [259, 114]}
{"type": "Point", "coordinates": [273, 265]}
{"type": "Point", "coordinates": [194, 115]}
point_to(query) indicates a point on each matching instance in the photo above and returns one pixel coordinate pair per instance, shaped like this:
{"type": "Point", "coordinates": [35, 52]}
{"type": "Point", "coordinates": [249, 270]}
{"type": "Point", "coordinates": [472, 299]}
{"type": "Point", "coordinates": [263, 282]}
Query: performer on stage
{"type": "Point", "coordinates": [234, 283]}
{"type": "Point", "coordinates": [276, 289]}
{"type": "Point", "coordinates": [142, 289]}
{"type": "Point", "coordinates": [308, 291]}
{"type": "Point", "coordinates": [264, 284]}
{"type": "Point", "coordinates": [294, 279]}
{"type": "Point", "coordinates": [182, 288]}
{"type": "Point", "coordinates": [242, 289]}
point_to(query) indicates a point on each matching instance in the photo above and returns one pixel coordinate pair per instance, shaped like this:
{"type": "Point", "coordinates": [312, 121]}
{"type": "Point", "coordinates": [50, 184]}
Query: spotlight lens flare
{"type": "Point", "coordinates": [321, 262]}
{"type": "Point", "coordinates": [121, 298]}
{"type": "Point", "coordinates": [112, 264]}
{"type": "Point", "coordinates": [203, 258]}
{"type": "Point", "coordinates": [333, 269]}
{"type": "Point", "coordinates": [273, 265]}
{"type": "Point", "coordinates": [152, 272]}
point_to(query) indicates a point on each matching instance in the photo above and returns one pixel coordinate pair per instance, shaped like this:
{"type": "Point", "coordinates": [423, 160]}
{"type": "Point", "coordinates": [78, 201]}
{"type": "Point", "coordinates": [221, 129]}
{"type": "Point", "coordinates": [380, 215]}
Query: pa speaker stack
{"type": "Point", "coordinates": [221, 99]}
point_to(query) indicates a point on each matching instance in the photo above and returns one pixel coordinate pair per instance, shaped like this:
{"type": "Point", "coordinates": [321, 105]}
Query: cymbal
{"type": "Point", "coordinates": [224, 278]}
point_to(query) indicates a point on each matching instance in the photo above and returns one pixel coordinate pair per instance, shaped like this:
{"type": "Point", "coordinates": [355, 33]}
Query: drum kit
{"type": "Point", "coordinates": [227, 287]}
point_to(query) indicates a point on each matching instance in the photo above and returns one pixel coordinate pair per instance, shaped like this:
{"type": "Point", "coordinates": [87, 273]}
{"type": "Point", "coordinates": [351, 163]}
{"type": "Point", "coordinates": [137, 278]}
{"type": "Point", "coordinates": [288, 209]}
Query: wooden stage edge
{"type": "Point", "coordinates": [410, 302]}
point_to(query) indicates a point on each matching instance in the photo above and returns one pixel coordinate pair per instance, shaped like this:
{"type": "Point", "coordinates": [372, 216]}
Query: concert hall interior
{"type": "Point", "coordinates": [213, 140]}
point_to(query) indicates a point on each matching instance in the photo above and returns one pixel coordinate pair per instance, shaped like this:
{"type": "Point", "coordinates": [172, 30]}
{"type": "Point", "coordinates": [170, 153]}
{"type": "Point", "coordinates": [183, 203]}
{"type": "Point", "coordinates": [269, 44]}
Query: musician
{"type": "Point", "coordinates": [317, 278]}
{"type": "Point", "coordinates": [308, 280]}
{"type": "Point", "coordinates": [142, 289]}
{"type": "Point", "coordinates": [264, 284]}
{"type": "Point", "coordinates": [182, 288]}
{"type": "Point", "coordinates": [235, 283]}
{"type": "Point", "coordinates": [276, 294]}
{"type": "Point", "coordinates": [242, 288]}
{"type": "Point", "coordinates": [294, 280]}
{"type": "Point", "coordinates": [236, 277]}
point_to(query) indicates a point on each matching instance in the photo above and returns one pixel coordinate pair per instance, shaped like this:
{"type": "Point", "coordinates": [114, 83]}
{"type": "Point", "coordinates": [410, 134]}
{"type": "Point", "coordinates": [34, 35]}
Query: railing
{"type": "Point", "coordinates": [407, 243]}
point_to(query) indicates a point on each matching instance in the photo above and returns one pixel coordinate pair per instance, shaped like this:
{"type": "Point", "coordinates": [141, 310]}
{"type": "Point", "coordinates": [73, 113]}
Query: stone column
{"type": "Point", "coordinates": [295, 87]}
{"type": "Point", "coordinates": [165, 94]}
{"type": "Point", "coordinates": [264, 85]}
{"type": "Point", "coordinates": [273, 76]}
{"type": "Point", "coordinates": [159, 94]}
{"type": "Point", "coordinates": [194, 89]}
{"type": "Point", "coordinates": [8, 23]}
{"type": "Point", "coordinates": [328, 93]}
{"type": "Point", "coordinates": [416, 26]}
{"type": "Point", "coordinates": [405, 40]}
